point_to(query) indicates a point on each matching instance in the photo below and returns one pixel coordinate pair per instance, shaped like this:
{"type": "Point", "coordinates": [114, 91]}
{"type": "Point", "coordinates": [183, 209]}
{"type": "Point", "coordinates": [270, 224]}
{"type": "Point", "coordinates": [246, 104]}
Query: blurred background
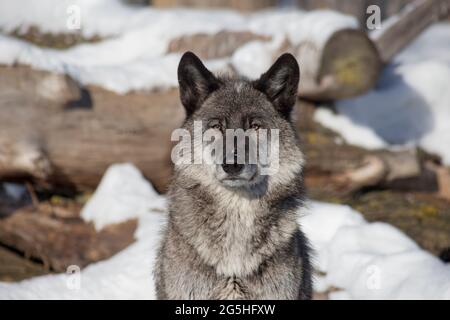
{"type": "Point", "coordinates": [357, 8]}
{"type": "Point", "coordinates": [88, 87]}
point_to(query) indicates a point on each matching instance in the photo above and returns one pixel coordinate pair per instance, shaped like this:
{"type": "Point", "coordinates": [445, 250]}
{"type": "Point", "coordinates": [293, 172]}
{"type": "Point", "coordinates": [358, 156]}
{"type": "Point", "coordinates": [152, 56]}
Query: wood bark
{"type": "Point", "coordinates": [44, 234]}
{"type": "Point", "coordinates": [72, 144]}
{"type": "Point", "coordinates": [242, 5]}
{"type": "Point", "coordinates": [213, 46]}
{"type": "Point", "coordinates": [347, 65]}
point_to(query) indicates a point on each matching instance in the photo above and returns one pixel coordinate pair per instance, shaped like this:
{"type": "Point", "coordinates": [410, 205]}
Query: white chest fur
{"type": "Point", "coordinates": [232, 254]}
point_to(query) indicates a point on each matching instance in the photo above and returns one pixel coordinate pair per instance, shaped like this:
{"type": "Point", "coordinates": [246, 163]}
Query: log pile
{"type": "Point", "coordinates": [70, 145]}
{"type": "Point", "coordinates": [58, 135]}
{"type": "Point", "coordinates": [346, 65]}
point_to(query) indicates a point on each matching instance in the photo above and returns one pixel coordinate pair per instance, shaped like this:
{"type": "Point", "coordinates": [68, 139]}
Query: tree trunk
{"type": "Point", "coordinates": [71, 145]}
{"type": "Point", "coordinates": [242, 5]}
{"type": "Point", "coordinates": [344, 66]}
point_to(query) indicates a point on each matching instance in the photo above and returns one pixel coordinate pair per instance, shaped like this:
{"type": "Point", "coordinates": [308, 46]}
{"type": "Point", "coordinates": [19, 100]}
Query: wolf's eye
{"type": "Point", "coordinates": [217, 126]}
{"type": "Point", "coordinates": [255, 126]}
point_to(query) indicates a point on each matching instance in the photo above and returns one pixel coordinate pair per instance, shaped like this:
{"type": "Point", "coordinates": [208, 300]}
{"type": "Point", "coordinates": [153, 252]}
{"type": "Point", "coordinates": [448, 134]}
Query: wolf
{"type": "Point", "coordinates": [233, 233]}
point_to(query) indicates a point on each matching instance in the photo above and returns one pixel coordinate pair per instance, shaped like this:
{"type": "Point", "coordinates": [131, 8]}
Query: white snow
{"type": "Point", "coordinates": [127, 275]}
{"type": "Point", "coordinates": [411, 103]}
{"type": "Point", "coordinates": [371, 260]}
{"type": "Point", "coordinates": [122, 194]}
{"type": "Point", "coordinates": [354, 133]}
{"type": "Point", "coordinates": [133, 54]}
{"type": "Point", "coordinates": [365, 260]}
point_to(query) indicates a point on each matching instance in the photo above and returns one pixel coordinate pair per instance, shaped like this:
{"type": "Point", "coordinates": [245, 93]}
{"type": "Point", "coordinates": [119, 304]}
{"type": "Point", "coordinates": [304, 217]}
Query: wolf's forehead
{"type": "Point", "coordinates": [239, 86]}
{"type": "Point", "coordinates": [239, 96]}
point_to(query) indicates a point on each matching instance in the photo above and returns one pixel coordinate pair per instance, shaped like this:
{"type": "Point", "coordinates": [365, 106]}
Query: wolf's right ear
{"type": "Point", "coordinates": [195, 81]}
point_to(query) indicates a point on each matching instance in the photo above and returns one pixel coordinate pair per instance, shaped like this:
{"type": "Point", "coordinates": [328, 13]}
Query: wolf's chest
{"type": "Point", "coordinates": [231, 289]}
{"type": "Point", "coordinates": [238, 230]}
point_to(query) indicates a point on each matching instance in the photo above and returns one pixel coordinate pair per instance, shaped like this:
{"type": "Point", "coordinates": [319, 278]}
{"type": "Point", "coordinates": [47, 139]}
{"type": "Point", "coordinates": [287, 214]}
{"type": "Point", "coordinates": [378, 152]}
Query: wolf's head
{"type": "Point", "coordinates": [233, 121]}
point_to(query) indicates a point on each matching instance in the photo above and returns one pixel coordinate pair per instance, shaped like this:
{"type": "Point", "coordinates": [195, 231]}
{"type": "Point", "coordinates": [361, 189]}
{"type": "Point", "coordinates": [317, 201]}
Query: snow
{"type": "Point", "coordinates": [133, 54]}
{"type": "Point", "coordinates": [122, 194]}
{"type": "Point", "coordinates": [127, 275]}
{"type": "Point", "coordinates": [365, 260]}
{"type": "Point", "coordinates": [371, 260]}
{"type": "Point", "coordinates": [354, 133]}
{"type": "Point", "coordinates": [411, 103]}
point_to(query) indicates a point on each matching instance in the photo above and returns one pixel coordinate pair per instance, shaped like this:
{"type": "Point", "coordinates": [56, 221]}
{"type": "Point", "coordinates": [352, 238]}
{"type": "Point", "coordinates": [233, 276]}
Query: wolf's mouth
{"type": "Point", "coordinates": [235, 179]}
{"type": "Point", "coordinates": [239, 180]}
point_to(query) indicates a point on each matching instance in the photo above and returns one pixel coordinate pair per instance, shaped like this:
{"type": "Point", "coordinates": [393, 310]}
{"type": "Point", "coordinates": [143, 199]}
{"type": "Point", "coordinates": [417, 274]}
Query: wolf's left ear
{"type": "Point", "coordinates": [196, 82]}
{"type": "Point", "coordinates": [280, 83]}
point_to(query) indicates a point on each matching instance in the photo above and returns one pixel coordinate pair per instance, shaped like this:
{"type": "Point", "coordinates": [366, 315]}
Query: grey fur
{"type": "Point", "coordinates": [242, 242]}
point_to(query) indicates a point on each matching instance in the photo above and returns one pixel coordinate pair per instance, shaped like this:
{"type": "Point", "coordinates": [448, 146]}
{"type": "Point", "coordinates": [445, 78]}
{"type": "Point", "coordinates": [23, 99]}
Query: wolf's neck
{"type": "Point", "coordinates": [231, 232]}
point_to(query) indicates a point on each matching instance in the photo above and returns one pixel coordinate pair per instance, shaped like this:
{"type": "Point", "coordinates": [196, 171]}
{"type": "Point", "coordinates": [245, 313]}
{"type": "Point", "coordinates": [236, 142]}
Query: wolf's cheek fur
{"type": "Point", "coordinates": [290, 166]}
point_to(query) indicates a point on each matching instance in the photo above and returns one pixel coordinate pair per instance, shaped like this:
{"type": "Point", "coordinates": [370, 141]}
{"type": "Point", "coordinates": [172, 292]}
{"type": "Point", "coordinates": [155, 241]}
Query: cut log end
{"type": "Point", "coordinates": [352, 61]}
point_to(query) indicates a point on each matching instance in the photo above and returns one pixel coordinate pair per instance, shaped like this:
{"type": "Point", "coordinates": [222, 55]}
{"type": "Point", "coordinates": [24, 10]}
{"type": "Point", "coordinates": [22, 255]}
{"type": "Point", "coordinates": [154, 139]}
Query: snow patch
{"type": "Point", "coordinates": [133, 54]}
{"type": "Point", "coordinates": [371, 260]}
{"type": "Point", "coordinates": [409, 106]}
{"type": "Point", "coordinates": [353, 133]}
{"type": "Point", "coordinates": [122, 194]}
{"type": "Point", "coordinates": [365, 260]}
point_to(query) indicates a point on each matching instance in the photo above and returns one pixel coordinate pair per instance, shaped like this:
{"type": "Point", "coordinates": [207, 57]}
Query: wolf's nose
{"type": "Point", "coordinates": [232, 169]}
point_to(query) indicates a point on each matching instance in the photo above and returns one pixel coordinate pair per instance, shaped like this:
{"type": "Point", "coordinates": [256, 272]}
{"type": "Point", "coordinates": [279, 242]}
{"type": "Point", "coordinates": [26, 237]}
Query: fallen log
{"type": "Point", "coordinates": [71, 147]}
{"type": "Point", "coordinates": [399, 30]}
{"type": "Point", "coordinates": [213, 46]}
{"type": "Point", "coordinates": [345, 65]}
{"type": "Point", "coordinates": [335, 170]}
{"type": "Point", "coordinates": [58, 241]}
{"type": "Point", "coordinates": [242, 5]}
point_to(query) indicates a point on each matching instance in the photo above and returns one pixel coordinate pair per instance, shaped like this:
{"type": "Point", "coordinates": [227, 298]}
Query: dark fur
{"type": "Point", "coordinates": [243, 242]}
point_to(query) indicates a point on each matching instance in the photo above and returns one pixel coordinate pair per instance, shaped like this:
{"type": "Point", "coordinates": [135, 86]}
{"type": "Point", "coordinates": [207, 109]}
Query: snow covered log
{"type": "Point", "coordinates": [346, 65]}
{"type": "Point", "coordinates": [343, 65]}
{"type": "Point", "coordinates": [242, 5]}
{"type": "Point", "coordinates": [58, 237]}
{"type": "Point", "coordinates": [337, 59]}
{"type": "Point", "coordinates": [214, 46]}
{"type": "Point", "coordinates": [70, 145]}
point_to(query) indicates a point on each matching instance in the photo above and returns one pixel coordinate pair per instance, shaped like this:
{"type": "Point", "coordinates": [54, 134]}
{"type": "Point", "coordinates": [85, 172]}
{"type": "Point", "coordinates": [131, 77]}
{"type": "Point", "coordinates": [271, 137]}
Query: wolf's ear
{"type": "Point", "coordinates": [280, 83]}
{"type": "Point", "coordinates": [196, 82]}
